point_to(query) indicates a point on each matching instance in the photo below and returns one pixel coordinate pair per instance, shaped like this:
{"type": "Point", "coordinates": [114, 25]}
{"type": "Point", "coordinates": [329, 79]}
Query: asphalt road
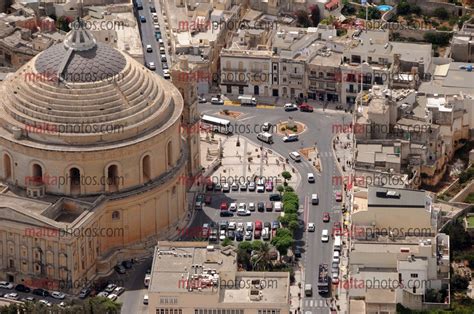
{"type": "Point", "coordinates": [319, 130]}
{"type": "Point", "coordinates": [147, 32]}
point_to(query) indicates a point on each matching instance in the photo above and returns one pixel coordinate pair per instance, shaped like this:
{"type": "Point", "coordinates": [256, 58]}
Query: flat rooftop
{"type": "Point", "coordinates": [393, 198]}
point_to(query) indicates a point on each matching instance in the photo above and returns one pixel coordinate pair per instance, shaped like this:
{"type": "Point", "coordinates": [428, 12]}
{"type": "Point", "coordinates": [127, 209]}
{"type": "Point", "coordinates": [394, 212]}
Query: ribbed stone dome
{"type": "Point", "coordinates": [81, 92]}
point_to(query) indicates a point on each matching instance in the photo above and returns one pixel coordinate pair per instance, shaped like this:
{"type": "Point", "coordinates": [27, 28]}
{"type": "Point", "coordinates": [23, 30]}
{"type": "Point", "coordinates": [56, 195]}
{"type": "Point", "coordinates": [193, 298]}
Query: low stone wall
{"type": "Point", "coordinates": [461, 196]}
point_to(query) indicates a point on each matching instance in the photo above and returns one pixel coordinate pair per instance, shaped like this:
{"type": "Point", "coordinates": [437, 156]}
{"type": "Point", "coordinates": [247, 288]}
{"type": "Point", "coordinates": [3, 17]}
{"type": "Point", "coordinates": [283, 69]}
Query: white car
{"type": "Point", "coordinates": [335, 257]}
{"type": "Point", "coordinates": [160, 41]}
{"type": "Point", "coordinates": [311, 227]}
{"type": "Point", "coordinates": [290, 107]}
{"type": "Point", "coordinates": [243, 212]}
{"type": "Point", "coordinates": [251, 186]}
{"type": "Point", "coordinates": [232, 225]}
{"type": "Point", "coordinates": [6, 285]}
{"type": "Point", "coordinates": [225, 187]}
{"type": "Point", "coordinates": [295, 156]}
{"type": "Point", "coordinates": [103, 294]}
{"type": "Point", "coordinates": [242, 206]}
{"type": "Point", "coordinates": [240, 226]}
{"type": "Point", "coordinates": [325, 235]}
{"type": "Point", "coordinates": [119, 290]}
{"type": "Point", "coordinates": [112, 296]}
{"type": "Point", "coordinates": [149, 48]}
{"type": "Point", "coordinates": [58, 295]}
{"type": "Point", "coordinates": [12, 296]}
{"type": "Point", "coordinates": [252, 206]}
{"type": "Point", "coordinates": [235, 186]}
{"type": "Point", "coordinates": [233, 207]}
{"type": "Point", "coordinates": [311, 177]}
{"type": "Point", "coordinates": [260, 188]}
{"type": "Point", "coordinates": [249, 226]}
{"type": "Point", "coordinates": [47, 303]}
{"type": "Point", "coordinates": [222, 235]}
{"type": "Point", "coordinates": [151, 66]}
{"type": "Point", "coordinates": [217, 101]}
{"type": "Point", "coordinates": [110, 288]}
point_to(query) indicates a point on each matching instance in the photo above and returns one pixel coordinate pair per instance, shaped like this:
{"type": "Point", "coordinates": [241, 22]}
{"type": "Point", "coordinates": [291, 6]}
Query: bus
{"type": "Point", "coordinates": [216, 124]}
{"type": "Point", "coordinates": [138, 4]}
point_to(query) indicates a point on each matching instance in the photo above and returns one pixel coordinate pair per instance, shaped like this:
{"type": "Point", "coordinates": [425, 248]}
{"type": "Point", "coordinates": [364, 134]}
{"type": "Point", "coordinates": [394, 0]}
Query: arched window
{"type": "Point", "coordinates": [37, 173]}
{"type": "Point", "coordinates": [7, 167]}
{"type": "Point", "coordinates": [169, 154]}
{"type": "Point", "coordinates": [116, 215]}
{"type": "Point", "coordinates": [113, 178]}
{"type": "Point", "coordinates": [146, 169]}
{"type": "Point", "coordinates": [75, 180]}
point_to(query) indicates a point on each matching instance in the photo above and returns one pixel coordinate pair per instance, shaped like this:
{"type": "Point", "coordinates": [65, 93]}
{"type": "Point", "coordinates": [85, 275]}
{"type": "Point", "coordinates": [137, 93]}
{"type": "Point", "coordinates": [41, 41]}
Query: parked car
{"type": "Point", "coordinates": [225, 188]}
{"type": "Point", "coordinates": [120, 269]}
{"type": "Point", "coordinates": [224, 206]}
{"type": "Point", "coordinates": [267, 224]}
{"type": "Point", "coordinates": [112, 296]}
{"type": "Point", "coordinates": [268, 206]}
{"type": "Point", "coordinates": [335, 256]}
{"type": "Point", "coordinates": [231, 235]}
{"type": "Point", "coordinates": [275, 197]}
{"type": "Point", "coordinates": [249, 226]}
{"type": "Point", "coordinates": [336, 229]}
{"type": "Point", "coordinates": [251, 206]}
{"type": "Point", "coordinates": [110, 288]}
{"type": "Point", "coordinates": [103, 294]}
{"type": "Point", "coordinates": [235, 186]}
{"type": "Point", "coordinates": [232, 225]}
{"type": "Point", "coordinates": [84, 293]}
{"type": "Point", "coordinates": [217, 187]}
{"type": "Point", "coordinates": [243, 186]}
{"type": "Point", "coordinates": [269, 186]}
{"type": "Point", "coordinates": [217, 101]}
{"type": "Point", "coordinates": [252, 186]}
{"type": "Point", "coordinates": [12, 296]}
{"type": "Point", "coordinates": [127, 264]}
{"type": "Point", "coordinates": [47, 303]}
{"type": "Point", "coordinates": [119, 290]}
{"type": "Point", "coordinates": [22, 288]}
{"type": "Point", "coordinates": [222, 235]}
{"type": "Point", "coordinates": [306, 108]}
{"type": "Point", "coordinates": [226, 214]}
{"type": "Point", "coordinates": [275, 224]}
{"type": "Point", "coordinates": [58, 295]}
{"type": "Point", "coordinates": [290, 107]}
{"type": "Point", "coordinates": [6, 285]}
{"type": "Point", "coordinates": [297, 252]}
{"type": "Point", "coordinates": [338, 196]}
{"type": "Point", "coordinates": [239, 236]}
{"type": "Point", "coordinates": [151, 66]}
{"type": "Point", "coordinates": [243, 212]}
{"type": "Point", "coordinates": [41, 292]}
{"type": "Point", "coordinates": [233, 207]}
{"type": "Point", "coordinates": [201, 100]}
{"type": "Point", "coordinates": [257, 234]}
{"type": "Point", "coordinates": [261, 206]}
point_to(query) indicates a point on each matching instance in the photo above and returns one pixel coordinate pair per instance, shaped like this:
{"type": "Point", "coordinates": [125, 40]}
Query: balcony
{"type": "Point", "coordinates": [296, 76]}
{"type": "Point", "coordinates": [233, 70]}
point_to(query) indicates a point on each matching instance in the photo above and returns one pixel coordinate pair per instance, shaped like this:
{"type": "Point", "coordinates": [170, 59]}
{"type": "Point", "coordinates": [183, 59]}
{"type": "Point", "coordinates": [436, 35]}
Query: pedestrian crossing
{"type": "Point", "coordinates": [311, 304]}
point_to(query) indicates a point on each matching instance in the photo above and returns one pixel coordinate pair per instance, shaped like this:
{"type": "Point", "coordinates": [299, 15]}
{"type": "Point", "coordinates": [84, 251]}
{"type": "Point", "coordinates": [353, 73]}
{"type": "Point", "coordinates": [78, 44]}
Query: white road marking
{"type": "Point", "coordinates": [244, 119]}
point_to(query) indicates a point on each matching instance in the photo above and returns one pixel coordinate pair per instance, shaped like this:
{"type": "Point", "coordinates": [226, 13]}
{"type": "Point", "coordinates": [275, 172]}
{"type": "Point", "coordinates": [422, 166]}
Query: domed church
{"type": "Point", "coordinates": [92, 163]}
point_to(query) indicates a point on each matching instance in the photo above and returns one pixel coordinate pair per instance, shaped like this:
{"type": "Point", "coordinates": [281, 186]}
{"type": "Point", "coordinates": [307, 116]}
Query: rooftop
{"type": "Point", "coordinates": [394, 198]}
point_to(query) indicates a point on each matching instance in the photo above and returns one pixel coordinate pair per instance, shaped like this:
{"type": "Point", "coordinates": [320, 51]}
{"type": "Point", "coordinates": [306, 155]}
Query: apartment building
{"type": "Point", "coordinates": [462, 45]}
{"type": "Point", "coordinates": [395, 259]}
{"type": "Point", "coordinates": [192, 277]}
{"type": "Point", "coordinates": [324, 76]}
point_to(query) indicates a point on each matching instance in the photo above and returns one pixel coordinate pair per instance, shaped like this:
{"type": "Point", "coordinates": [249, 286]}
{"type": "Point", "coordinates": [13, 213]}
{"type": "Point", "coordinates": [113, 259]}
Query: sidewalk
{"type": "Point", "coordinates": [342, 148]}
{"type": "Point", "coordinates": [296, 291]}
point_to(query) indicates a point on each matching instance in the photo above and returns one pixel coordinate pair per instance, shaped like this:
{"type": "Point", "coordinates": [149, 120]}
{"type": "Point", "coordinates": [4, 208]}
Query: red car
{"type": "Point", "coordinates": [336, 229]}
{"type": "Point", "coordinates": [338, 196]}
{"type": "Point", "coordinates": [258, 225]}
{"type": "Point", "coordinates": [224, 206]}
{"type": "Point", "coordinates": [326, 217]}
{"type": "Point", "coordinates": [269, 186]}
{"type": "Point", "coordinates": [306, 108]}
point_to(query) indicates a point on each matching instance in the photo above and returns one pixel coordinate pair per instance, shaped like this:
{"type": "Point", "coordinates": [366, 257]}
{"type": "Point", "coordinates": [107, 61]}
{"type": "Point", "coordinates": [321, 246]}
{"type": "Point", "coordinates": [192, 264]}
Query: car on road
{"type": "Point", "coordinates": [290, 107]}
{"type": "Point", "coordinates": [243, 186]}
{"type": "Point", "coordinates": [142, 19]}
{"type": "Point", "coordinates": [306, 108]}
{"type": "Point", "coordinates": [252, 186]}
{"type": "Point", "coordinates": [314, 199]}
{"type": "Point", "coordinates": [163, 58]}
{"type": "Point", "coordinates": [41, 292]}
{"type": "Point", "coordinates": [218, 187]}
{"type": "Point", "coordinates": [120, 269]}
{"type": "Point", "coordinates": [252, 206]}
{"type": "Point", "coordinates": [226, 214]}
{"type": "Point", "coordinates": [201, 99]}
{"type": "Point", "coordinates": [295, 156]}
{"type": "Point", "coordinates": [311, 178]}
{"type": "Point", "coordinates": [153, 9]}
{"type": "Point", "coordinates": [335, 256]}
{"type": "Point", "coordinates": [151, 66]}
{"type": "Point", "coordinates": [326, 217]}
{"type": "Point", "coordinates": [290, 138]}
{"type": "Point", "coordinates": [261, 206]}
{"type": "Point", "coordinates": [84, 293]}
{"type": "Point", "coordinates": [217, 101]}
{"type": "Point", "coordinates": [58, 295]}
{"type": "Point", "coordinates": [224, 206]}
{"type": "Point", "coordinates": [335, 278]}
{"type": "Point", "coordinates": [311, 227]}
{"type": "Point", "coordinates": [166, 74]}
{"type": "Point", "coordinates": [233, 207]}
{"type": "Point", "coordinates": [325, 235]}
{"type": "Point", "coordinates": [149, 48]}
{"type": "Point", "coordinates": [235, 186]}
{"type": "Point", "coordinates": [338, 195]}
{"type": "Point", "coordinates": [22, 288]}
{"type": "Point", "coordinates": [6, 285]}
{"type": "Point", "coordinates": [12, 296]}
{"type": "Point", "coordinates": [266, 126]}
{"type": "Point", "coordinates": [226, 188]}
{"type": "Point", "coordinates": [199, 201]}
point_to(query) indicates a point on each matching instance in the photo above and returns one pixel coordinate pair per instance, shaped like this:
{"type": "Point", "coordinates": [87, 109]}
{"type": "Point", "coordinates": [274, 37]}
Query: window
{"type": "Point", "coordinates": [169, 154]}
{"type": "Point", "coordinates": [116, 215]}
{"type": "Point", "coordinates": [146, 169]}
{"type": "Point", "coordinates": [7, 167]}
{"type": "Point", "coordinates": [75, 180]}
{"type": "Point", "coordinates": [113, 178]}
{"type": "Point", "coordinates": [284, 68]}
{"type": "Point", "coordinates": [241, 90]}
{"type": "Point", "coordinates": [414, 275]}
{"type": "Point", "coordinates": [37, 173]}
{"type": "Point", "coordinates": [229, 89]}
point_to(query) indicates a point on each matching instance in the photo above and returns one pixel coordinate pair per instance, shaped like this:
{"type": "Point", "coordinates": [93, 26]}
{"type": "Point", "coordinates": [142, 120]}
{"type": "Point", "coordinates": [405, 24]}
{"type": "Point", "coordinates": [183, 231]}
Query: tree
{"type": "Point", "coordinates": [459, 283]}
{"type": "Point", "coordinates": [280, 188]}
{"type": "Point", "coordinates": [283, 240]}
{"type": "Point", "coordinates": [286, 175]}
{"type": "Point", "coordinates": [441, 13]}
{"type": "Point", "coordinates": [261, 257]}
{"type": "Point", "coordinates": [289, 189]}
{"type": "Point", "coordinates": [403, 8]}
{"type": "Point", "coordinates": [441, 39]}
{"type": "Point", "coordinates": [226, 242]}
{"type": "Point", "coordinates": [302, 18]}
{"type": "Point", "coordinates": [290, 207]}
{"type": "Point", "coordinates": [293, 226]}
{"type": "Point", "coordinates": [315, 15]}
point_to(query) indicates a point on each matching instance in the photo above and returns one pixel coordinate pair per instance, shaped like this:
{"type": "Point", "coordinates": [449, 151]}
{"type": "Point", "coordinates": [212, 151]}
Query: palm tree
{"type": "Point", "coordinates": [261, 258]}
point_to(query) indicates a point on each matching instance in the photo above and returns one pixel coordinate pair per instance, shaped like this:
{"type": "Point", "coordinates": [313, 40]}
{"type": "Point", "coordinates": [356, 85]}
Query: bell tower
{"type": "Point", "coordinates": [184, 77]}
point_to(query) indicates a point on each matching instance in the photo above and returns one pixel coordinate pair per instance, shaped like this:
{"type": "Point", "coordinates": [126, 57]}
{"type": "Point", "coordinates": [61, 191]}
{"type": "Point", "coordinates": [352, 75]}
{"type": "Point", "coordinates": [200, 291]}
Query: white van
{"type": "Point", "coordinates": [335, 257]}
{"type": "Point", "coordinates": [145, 299]}
{"type": "Point", "coordinates": [147, 280]}
{"type": "Point", "coordinates": [266, 234]}
{"type": "Point", "coordinates": [265, 137]}
{"type": "Point", "coordinates": [337, 243]}
{"type": "Point", "coordinates": [325, 235]}
{"type": "Point", "coordinates": [314, 199]}
{"type": "Point", "coordinates": [277, 206]}
{"type": "Point", "coordinates": [295, 156]}
{"type": "Point", "coordinates": [311, 177]}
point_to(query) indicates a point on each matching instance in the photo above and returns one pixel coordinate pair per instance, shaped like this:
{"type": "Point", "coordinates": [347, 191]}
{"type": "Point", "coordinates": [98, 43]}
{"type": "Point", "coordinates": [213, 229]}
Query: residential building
{"type": "Point", "coordinates": [462, 45]}
{"type": "Point", "coordinates": [395, 260]}
{"type": "Point", "coordinates": [193, 277]}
